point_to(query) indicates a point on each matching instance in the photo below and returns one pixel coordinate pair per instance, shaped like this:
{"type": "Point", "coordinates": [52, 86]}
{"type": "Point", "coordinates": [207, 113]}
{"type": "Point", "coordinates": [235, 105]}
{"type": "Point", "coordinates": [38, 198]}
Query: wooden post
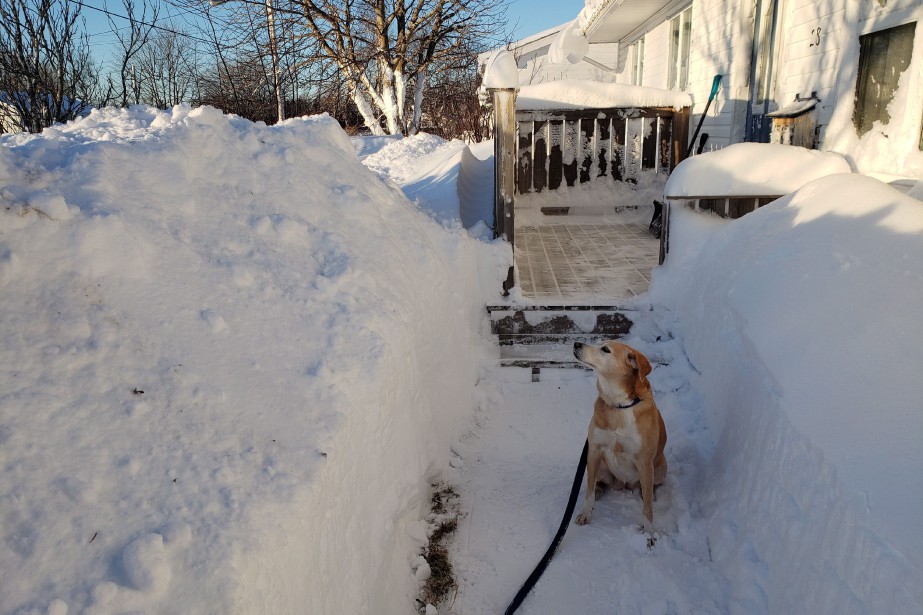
{"type": "Point", "coordinates": [504, 101]}
{"type": "Point", "coordinates": [680, 135]}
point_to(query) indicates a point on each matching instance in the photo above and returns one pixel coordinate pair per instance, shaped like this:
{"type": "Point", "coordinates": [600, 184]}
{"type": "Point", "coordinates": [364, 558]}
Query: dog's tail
{"type": "Point", "coordinates": [568, 513]}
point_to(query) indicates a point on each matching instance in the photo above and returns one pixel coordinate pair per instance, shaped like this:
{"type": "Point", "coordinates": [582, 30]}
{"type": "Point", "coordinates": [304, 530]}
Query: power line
{"type": "Point", "coordinates": [143, 23]}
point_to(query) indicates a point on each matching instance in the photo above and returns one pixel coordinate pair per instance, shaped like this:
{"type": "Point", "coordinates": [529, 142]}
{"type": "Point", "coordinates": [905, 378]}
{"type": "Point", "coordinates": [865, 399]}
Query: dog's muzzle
{"type": "Point", "coordinates": [578, 350]}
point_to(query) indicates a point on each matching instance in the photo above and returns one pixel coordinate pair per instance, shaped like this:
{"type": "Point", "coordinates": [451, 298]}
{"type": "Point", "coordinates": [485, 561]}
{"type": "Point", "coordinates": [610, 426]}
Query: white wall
{"type": "Point", "coordinates": [721, 39]}
{"type": "Point", "coordinates": [722, 35]}
{"type": "Point", "coordinates": [535, 68]}
{"type": "Point", "coordinates": [831, 68]}
{"type": "Point", "coordinates": [817, 51]}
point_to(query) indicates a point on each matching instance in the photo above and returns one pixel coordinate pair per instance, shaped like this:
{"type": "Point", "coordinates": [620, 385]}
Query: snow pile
{"type": "Point", "coordinates": [404, 160]}
{"type": "Point", "coordinates": [752, 169]}
{"type": "Point", "coordinates": [803, 319]}
{"type": "Point", "coordinates": [581, 94]}
{"type": "Point", "coordinates": [476, 187]}
{"type": "Point", "coordinates": [570, 46]}
{"type": "Point", "coordinates": [365, 146]}
{"type": "Point", "coordinates": [231, 358]}
{"type": "Point", "coordinates": [426, 168]}
{"type": "Point", "coordinates": [500, 71]}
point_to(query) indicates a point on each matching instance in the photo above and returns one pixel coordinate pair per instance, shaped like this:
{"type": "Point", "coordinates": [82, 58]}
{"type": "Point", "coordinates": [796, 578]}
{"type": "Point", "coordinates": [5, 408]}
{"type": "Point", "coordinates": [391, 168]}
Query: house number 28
{"type": "Point", "coordinates": [815, 37]}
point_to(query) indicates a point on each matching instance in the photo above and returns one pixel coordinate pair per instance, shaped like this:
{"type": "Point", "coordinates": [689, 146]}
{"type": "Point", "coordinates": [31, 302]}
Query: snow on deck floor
{"type": "Point", "coordinates": [601, 257]}
{"type": "Point", "coordinates": [519, 460]}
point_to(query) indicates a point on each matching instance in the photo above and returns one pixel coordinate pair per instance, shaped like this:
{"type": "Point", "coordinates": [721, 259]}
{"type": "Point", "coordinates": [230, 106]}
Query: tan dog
{"type": "Point", "coordinates": [626, 435]}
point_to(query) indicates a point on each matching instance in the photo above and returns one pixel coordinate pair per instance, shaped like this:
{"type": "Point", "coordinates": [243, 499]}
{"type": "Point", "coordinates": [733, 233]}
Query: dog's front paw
{"type": "Point", "coordinates": [583, 517]}
{"type": "Point", "coordinates": [652, 532]}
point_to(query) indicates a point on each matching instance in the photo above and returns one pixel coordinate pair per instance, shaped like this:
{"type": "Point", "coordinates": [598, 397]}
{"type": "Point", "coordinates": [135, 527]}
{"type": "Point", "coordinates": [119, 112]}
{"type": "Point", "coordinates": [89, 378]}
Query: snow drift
{"type": "Point", "coordinates": [803, 319]}
{"type": "Point", "coordinates": [752, 169]}
{"type": "Point", "coordinates": [450, 180]}
{"type": "Point", "coordinates": [230, 359]}
{"type": "Point", "coordinates": [583, 94]}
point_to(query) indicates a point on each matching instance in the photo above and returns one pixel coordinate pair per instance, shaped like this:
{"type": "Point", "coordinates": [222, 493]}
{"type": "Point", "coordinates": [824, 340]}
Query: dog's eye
{"type": "Point", "coordinates": [605, 349]}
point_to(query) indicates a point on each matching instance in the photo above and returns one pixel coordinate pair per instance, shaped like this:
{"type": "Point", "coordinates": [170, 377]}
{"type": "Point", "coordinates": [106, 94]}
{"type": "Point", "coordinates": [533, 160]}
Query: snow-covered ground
{"type": "Point", "coordinates": [786, 346]}
{"type": "Point", "coordinates": [519, 459]}
{"type": "Point", "coordinates": [803, 319]}
{"type": "Point", "coordinates": [232, 359]}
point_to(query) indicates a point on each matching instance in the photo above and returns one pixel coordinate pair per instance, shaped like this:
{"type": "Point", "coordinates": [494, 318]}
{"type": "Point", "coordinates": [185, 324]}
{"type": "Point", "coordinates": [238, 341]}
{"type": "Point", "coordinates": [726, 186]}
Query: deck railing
{"type": "Point", "coordinates": [556, 149]}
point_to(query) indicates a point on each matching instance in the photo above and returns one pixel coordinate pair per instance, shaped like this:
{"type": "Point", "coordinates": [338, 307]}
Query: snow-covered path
{"type": "Point", "coordinates": [518, 462]}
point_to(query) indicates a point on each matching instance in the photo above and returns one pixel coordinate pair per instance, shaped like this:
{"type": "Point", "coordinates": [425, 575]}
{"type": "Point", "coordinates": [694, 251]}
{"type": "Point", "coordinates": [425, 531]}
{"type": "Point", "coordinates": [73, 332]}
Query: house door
{"type": "Point", "coordinates": [763, 64]}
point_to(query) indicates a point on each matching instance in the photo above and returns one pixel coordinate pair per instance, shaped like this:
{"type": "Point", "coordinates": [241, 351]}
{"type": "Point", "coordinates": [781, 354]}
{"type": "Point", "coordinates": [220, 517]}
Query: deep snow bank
{"type": "Point", "coordinates": [230, 359]}
{"type": "Point", "coordinates": [803, 319]}
{"type": "Point", "coordinates": [757, 169]}
{"type": "Point", "coordinates": [426, 168]}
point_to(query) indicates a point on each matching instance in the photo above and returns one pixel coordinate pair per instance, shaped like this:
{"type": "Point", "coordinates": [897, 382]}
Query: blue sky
{"type": "Point", "coordinates": [531, 15]}
{"type": "Point", "coordinates": [537, 15]}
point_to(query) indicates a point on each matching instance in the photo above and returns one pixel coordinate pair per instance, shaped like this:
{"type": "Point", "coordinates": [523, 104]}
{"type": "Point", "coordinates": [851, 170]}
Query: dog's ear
{"type": "Point", "coordinates": [639, 362]}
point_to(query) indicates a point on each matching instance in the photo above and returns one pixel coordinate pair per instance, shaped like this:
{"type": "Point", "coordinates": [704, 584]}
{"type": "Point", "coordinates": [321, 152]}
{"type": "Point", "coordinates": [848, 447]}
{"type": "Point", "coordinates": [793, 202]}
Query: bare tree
{"type": "Point", "coordinates": [241, 87]}
{"type": "Point", "coordinates": [131, 40]}
{"type": "Point", "coordinates": [452, 108]}
{"type": "Point", "coordinates": [384, 48]}
{"type": "Point", "coordinates": [46, 74]}
{"type": "Point", "coordinates": [167, 68]}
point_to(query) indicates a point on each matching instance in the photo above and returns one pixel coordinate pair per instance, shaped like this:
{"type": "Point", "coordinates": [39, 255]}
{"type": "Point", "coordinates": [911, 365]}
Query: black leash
{"type": "Point", "coordinates": [571, 503]}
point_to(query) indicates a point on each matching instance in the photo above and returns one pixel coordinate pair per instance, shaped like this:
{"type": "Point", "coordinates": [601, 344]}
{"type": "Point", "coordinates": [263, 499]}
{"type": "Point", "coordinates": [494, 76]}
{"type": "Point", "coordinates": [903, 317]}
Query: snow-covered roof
{"type": "Point", "coordinates": [612, 21]}
{"type": "Point", "coordinates": [527, 44]}
{"type": "Point", "coordinates": [581, 94]}
{"type": "Point", "coordinates": [752, 169]}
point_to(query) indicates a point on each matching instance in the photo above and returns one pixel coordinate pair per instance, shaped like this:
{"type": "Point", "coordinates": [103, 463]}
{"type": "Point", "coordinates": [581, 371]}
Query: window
{"type": "Point", "coordinates": [883, 56]}
{"type": "Point", "coordinates": [637, 61]}
{"type": "Point", "coordinates": [680, 35]}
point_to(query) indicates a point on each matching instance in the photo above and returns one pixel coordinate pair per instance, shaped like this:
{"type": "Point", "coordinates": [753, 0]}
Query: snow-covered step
{"type": "Point", "coordinates": [540, 355]}
{"type": "Point", "coordinates": [541, 336]}
{"type": "Point", "coordinates": [557, 324]}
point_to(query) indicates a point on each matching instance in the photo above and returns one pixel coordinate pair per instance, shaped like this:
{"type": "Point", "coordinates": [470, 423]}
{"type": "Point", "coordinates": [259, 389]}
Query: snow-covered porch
{"type": "Point", "coordinates": [601, 256]}
{"type": "Point", "coordinates": [578, 166]}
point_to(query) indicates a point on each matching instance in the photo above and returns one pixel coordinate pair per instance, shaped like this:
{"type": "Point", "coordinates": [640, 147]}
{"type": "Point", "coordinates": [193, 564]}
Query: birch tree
{"type": "Point", "coordinates": [385, 48]}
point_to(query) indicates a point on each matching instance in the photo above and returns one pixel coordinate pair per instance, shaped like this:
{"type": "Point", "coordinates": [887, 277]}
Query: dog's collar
{"type": "Point", "coordinates": [634, 403]}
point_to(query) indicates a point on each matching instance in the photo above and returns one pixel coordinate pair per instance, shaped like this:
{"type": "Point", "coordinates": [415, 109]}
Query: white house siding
{"type": "Point", "coordinates": [721, 39]}
{"type": "Point", "coordinates": [535, 68]}
{"type": "Point", "coordinates": [812, 48]}
{"type": "Point", "coordinates": [816, 51]}
{"type": "Point", "coordinates": [830, 68]}
{"type": "Point", "coordinates": [722, 34]}
{"type": "Point", "coordinates": [656, 52]}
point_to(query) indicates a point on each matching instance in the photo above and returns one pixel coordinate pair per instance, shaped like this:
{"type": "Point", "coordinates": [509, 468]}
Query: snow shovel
{"type": "Point", "coordinates": [715, 86]}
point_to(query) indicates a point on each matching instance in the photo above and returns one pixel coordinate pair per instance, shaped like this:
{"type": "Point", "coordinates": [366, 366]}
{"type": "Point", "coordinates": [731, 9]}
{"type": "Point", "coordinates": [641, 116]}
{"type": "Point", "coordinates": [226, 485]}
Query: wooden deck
{"type": "Point", "coordinates": [584, 260]}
